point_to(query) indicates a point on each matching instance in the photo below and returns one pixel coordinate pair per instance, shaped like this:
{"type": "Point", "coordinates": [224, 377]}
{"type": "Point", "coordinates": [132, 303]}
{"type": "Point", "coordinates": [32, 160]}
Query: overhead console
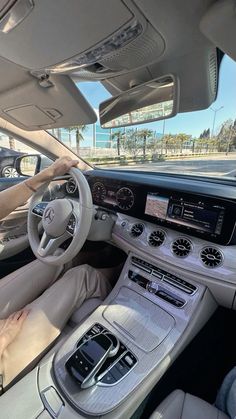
{"type": "Point", "coordinates": [100, 29]}
{"type": "Point", "coordinates": [195, 208]}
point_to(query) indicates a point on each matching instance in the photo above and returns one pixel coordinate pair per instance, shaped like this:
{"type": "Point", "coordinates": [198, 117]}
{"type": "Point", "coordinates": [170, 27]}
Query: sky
{"type": "Point", "coordinates": [192, 123]}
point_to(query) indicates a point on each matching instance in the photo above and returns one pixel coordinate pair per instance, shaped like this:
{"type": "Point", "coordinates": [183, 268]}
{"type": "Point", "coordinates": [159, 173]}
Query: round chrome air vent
{"type": "Point", "coordinates": [156, 238]}
{"type": "Point", "coordinates": [136, 229]}
{"type": "Point", "coordinates": [211, 257]}
{"type": "Point", "coordinates": [71, 186]}
{"type": "Point", "coordinates": [181, 247]}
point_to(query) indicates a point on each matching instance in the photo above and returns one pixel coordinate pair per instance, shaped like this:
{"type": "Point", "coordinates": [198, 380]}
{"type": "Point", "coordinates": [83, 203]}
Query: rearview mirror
{"type": "Point", "coordinates": [31, 164]}
{"type": "Point", "coordinates": [152, 101]}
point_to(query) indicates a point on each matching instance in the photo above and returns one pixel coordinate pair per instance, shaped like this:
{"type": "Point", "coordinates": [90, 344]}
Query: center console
{"type": "Point", "coordinates": [100, 359]}
{"type": "Point", "coordinates": [130, 339]}
{"type": "Point", "coordinates": [109, 364]}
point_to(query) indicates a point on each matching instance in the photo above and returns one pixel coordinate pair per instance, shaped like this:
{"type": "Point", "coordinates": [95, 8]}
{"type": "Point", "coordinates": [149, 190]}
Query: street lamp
{"type": "Point", "coordinates": [163, 133]}
{"type": "Point", "coordinates": [214, 119]}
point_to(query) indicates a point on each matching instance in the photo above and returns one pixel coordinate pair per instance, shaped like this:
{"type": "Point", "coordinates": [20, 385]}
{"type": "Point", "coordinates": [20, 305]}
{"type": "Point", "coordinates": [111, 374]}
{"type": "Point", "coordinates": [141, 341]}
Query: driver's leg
{"type": "Point", "coordinates": [49, 314]}
{"type": "Point", "coordinates": [24, 285]}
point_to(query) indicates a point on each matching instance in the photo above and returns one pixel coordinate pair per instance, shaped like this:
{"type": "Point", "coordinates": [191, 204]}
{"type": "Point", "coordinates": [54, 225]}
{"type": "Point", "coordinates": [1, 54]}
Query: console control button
{"type": "Point", "coordinates": [157, 274]}
{"type": "Point", "coordinates": [129, 359]}
{"type": "Point", "coordinates": [122, 367]}
{"type": "Point", "coordinates": [177, 302]}
{"type": "Point", "coordinates": [152, 287]}
{"type": "Point", "coordinates": [114, 371]}
{"type": "Point", "coordinates": [108, 379]}
{"type": "Point", "coordinates": [139, 279]}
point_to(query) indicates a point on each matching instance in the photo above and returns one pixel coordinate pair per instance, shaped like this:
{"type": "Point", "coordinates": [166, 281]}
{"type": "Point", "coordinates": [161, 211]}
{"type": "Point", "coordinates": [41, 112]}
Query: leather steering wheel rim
{"type": "Point", "coordinates": [82, 211]}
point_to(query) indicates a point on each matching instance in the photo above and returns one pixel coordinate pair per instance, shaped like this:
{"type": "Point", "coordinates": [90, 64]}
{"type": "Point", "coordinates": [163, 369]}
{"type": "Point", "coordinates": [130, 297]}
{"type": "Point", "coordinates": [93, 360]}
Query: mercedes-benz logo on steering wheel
{"type": "Point", "coordinates": [49, 215]}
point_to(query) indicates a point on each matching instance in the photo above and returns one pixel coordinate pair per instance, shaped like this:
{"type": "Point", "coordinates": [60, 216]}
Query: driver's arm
{"type": "Point", "coordinates": [17, 195]}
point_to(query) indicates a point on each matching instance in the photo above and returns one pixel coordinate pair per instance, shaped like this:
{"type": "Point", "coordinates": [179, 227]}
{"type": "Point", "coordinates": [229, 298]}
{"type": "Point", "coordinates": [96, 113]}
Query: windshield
{"type": "Point", "coordinates": [199, 143]}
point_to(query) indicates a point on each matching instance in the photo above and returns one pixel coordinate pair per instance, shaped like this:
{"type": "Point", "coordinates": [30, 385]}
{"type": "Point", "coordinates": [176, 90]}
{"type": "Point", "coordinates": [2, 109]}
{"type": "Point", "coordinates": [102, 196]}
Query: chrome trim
{"type": "Point", "coordinates": [179, 286]}
{"type": "Point", "coordinates": [213, 247]}
{"type": "Point", "coordinates": [183, 238]}
{"type": "Point", "coordinates": [47, 405]}
{"type": "Point", "coordinates": [154, 231]}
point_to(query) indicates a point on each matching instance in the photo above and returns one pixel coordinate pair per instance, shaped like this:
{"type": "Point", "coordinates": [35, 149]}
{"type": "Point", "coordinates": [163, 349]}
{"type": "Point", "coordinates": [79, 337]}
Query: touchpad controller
{"type": "Point", "coordinates": [100, 359]}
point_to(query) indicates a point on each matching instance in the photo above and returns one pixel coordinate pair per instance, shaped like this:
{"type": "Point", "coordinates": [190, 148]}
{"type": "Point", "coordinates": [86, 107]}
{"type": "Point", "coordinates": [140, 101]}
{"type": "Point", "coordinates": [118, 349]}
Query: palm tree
{"type": "Point", "coordinates": [117, 135]}
{"type": "Point", "coordinates": [144, 134]}
{"type": "Point", "coordinates": [166, 140]}
{"type": "Point", "coordinates": [78, 134]}
{"type": "Point", "coordinates": [132, 142]}
{"type": "Point", "coordinates": [193, 145]}
{"type": "Point", "coordinates": [182, 138]}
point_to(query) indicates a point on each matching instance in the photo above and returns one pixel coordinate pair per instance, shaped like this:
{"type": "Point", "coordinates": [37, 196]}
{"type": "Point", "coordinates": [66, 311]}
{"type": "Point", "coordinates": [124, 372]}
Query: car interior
{"type": "Point", "coordinates": [161, 343]}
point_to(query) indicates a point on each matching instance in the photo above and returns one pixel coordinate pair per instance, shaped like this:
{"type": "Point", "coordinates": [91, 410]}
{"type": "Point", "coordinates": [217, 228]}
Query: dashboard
{"type": "Point", "coordinates": [198, 208]}
{"type": "Point", "coordinates": [167, 218]}
{"type": "Point", "coordinates": [204, 212]}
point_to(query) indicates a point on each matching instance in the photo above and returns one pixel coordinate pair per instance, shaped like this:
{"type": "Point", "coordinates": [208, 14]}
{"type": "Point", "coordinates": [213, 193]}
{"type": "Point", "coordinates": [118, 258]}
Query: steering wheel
{"type": "Point", "coordinates": [61, 219]}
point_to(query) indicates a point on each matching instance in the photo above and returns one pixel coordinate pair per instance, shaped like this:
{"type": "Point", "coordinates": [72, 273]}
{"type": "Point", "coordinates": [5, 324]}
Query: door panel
{"type": "Point", "coordinates": [13, 228]}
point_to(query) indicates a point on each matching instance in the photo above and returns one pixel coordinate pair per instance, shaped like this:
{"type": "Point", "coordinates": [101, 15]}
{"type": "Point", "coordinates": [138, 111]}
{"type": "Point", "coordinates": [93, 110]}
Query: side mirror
{"type": "Point", "coordinates": [31, 164]}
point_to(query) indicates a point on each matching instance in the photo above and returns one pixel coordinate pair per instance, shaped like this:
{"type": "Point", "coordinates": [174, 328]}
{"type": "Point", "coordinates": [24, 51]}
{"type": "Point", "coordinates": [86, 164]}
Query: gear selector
{"type": "Point", "coordinates": [95, 358]}
{"type": "Point", "coordinates": [90, 356]}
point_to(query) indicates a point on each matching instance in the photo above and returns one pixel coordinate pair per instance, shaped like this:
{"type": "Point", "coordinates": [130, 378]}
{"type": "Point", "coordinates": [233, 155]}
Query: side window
{"type": "Point", "coordinates": [10, 149]}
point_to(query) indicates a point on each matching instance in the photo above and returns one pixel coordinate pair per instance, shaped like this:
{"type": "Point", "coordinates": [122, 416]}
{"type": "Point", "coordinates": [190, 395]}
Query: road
{"type": "Point", "coordinates": [214, 166]}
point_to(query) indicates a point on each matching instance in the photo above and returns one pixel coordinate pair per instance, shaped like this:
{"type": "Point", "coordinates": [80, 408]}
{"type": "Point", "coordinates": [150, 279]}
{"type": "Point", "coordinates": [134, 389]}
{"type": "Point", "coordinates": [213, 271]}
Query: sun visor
{"type": "Point", "coordinates": [56, 103]}
{"type": "Point", "coordinates": [219, 25]}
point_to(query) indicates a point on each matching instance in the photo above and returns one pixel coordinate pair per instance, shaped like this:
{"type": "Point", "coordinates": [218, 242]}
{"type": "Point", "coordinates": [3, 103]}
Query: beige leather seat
{"type": "Point", "coordinates": [180, 405]}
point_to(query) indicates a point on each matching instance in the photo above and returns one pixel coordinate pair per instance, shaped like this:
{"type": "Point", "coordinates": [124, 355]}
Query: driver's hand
{"type": "Point", "coordinates": [61, 166]}
{"type": "Point", "coordinates": [11, 327]}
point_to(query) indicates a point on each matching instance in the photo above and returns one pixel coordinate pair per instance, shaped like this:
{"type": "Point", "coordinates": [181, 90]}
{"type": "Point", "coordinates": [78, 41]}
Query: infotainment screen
{"type": "Point", "coordinates": [156, 206]}
{"type": "Point", "coordinates": [197, 215]}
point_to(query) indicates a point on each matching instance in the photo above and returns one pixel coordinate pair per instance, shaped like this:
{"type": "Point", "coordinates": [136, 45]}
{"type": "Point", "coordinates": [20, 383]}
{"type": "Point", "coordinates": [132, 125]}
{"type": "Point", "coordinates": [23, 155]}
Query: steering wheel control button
{"type": "Point", "coordinates": [39, 208]}
{"type": "Point", "coordinates": [71, 225]}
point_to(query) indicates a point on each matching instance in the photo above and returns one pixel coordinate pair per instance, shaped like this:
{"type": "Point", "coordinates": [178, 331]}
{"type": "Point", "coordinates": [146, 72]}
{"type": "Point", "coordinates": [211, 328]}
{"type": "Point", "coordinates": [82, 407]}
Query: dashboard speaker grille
{"type": "Point", "coordinates": [211, 257]}
{"type": "Point", "coordinates": [156, 238]}
{"type": "Point", "coordinates": [182, 247]}
{"type": "Point", "coordinates": [136, 230]}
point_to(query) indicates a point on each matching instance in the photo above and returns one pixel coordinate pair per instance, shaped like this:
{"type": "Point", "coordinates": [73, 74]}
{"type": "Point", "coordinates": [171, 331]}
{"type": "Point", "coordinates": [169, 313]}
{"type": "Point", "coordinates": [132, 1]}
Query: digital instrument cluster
{"type": "Point", "coordinates": [113, 195]}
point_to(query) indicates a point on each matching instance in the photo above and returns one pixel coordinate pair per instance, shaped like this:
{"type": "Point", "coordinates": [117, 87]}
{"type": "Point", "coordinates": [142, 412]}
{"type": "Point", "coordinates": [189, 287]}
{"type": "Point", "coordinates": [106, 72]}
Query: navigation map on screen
{"type": "Point", "coordinates": [156, 206]}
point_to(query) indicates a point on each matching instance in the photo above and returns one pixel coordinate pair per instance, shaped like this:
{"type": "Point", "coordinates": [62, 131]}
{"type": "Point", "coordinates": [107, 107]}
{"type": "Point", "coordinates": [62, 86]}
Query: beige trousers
{"type": "Point", "coordinates": [49, 314]}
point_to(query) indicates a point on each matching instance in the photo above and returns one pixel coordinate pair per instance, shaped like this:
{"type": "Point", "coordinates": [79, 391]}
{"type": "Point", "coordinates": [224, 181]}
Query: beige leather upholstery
{"type": "Point", "coordinates": [85, 310]}
{"type": "Point", "coordinates": [48, 314]}
{"type": "Point", "coordinates": [22, 286]}
{"type": "Point", "coordinates": [180, 405]}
